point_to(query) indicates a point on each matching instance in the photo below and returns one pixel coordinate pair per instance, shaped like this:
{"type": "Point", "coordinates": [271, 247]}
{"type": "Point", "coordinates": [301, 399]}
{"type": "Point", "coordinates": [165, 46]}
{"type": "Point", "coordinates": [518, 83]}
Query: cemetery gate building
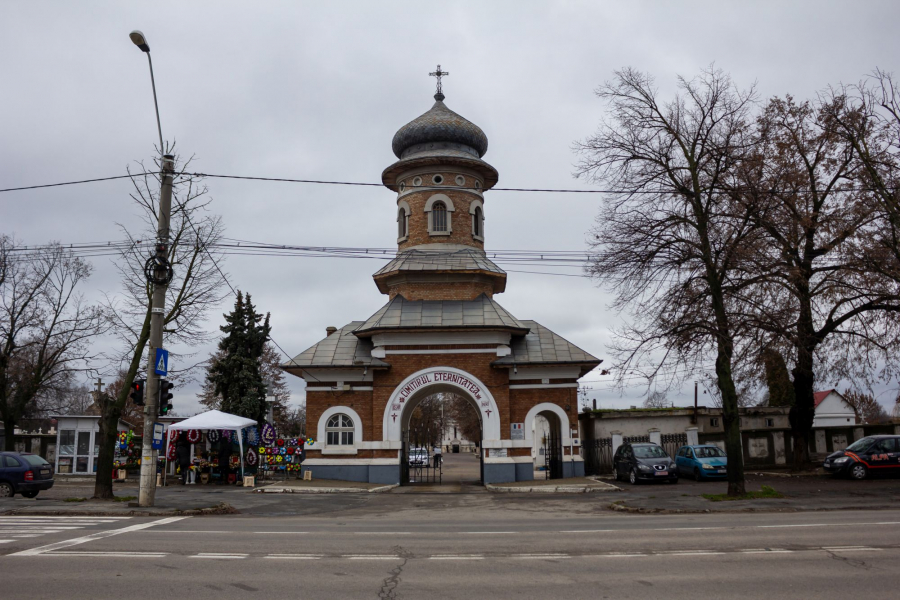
{"type": "Point", "coordinates": [441, 330]}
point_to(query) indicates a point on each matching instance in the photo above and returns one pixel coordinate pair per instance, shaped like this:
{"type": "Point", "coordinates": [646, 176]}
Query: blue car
{"type": "Point", "coordinates": [24, 473]}
{"type": "Point", "coordinates": [701, 462]}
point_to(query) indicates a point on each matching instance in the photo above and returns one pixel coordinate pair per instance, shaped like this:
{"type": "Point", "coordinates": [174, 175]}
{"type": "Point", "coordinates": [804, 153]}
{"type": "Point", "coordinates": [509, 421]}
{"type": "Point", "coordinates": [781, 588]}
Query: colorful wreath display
{"type": "Point", "coordinates": [268, 434]}
{"type": "Point", "coordinates": [252, 458]}
{"type": "Point", "coordinates": [279, 442]}
{"type": "Point", "coordinates": [213, 436]}
{"type": "Point", "coordinates": [173, 434]}
{"type": "Point", "coordinates": [193, 436]}
{"type": "Point", "coordinates": [170, 454]}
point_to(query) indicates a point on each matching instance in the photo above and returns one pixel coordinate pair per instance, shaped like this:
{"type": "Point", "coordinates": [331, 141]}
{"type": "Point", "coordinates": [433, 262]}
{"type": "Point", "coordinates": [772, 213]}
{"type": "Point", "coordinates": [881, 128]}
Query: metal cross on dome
{"type": "Point", "coordinates": [438, 74]}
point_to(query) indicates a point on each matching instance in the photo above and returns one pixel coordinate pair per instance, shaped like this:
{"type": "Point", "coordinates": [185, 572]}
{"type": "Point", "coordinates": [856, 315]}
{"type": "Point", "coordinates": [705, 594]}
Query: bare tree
{"type": "Point", "coordinates": [868, 410]}
{"type": "Point", "coordinates": [656, 399]}
{"type": "Point", "coordinates": [194, 290]}
{"type": "Point", "coordinates": [820, 297]}
{"type": "Point", "coordinates": [45, 326]}
{"type": "Point", "coordinates": [464, 415]}
{"type": "Point", "coordinates": [669, 243]}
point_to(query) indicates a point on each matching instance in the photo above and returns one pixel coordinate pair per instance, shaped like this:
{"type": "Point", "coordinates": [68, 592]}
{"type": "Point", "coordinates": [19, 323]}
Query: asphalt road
{"type": "Point", "coordinates": [454, 552]}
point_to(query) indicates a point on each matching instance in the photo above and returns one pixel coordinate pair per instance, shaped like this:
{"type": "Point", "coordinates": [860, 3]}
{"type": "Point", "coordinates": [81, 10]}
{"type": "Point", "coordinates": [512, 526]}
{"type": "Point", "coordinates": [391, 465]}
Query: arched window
{"type": "Point", "coordinates": [439, 216]}
{"type": "Point", "coordinates": [402, 223]}
{"type": "Point", "coordinates": [478, 222]}
{"type": "Point", "coordinates": [339, 430]}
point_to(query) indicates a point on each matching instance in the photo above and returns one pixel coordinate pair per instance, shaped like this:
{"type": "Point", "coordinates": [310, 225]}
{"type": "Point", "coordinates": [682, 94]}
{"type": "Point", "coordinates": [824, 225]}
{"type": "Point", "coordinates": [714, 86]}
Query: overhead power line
{"type": "Point", "coordinates": [368, 184]}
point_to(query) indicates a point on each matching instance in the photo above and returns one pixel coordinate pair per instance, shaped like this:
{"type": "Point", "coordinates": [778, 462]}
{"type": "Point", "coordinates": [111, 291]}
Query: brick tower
{"type": "Point", "coordinates": [441, 331]}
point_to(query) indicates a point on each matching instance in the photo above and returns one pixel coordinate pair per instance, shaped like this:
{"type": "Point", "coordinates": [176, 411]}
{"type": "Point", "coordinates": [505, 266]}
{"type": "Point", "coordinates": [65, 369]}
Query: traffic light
{"type": "Point", "coordinates": [137, 392]}
{"type": "Point", "coordinates": [165, 396]}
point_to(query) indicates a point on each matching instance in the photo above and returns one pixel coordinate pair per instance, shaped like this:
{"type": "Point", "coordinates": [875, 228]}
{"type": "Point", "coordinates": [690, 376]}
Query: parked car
{"type": "Point", "coordinates": [701, 462]}
{"type": "Point", "coordinates": [643, 462]}
{"type": "Point", "coordinates": [418, 457]}
{"type": "Point", "coordinates": [872, 455]}
{"type": "Point", "coordinates": [24, 473]}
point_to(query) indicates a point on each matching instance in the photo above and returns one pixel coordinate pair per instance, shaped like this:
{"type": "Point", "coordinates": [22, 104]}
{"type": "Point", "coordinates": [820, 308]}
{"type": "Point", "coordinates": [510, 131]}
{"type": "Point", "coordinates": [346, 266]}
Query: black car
{"type": "Point", "coordinates": [643, 462]}
{"type": "Point", "coordinates": [24, 473]}
{"type": "Point", "coordinates": [872, 455]}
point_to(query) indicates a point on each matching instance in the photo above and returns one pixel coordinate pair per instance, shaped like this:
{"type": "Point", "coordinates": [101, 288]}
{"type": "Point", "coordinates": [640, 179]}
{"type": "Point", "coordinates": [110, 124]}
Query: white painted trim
{"type": "Point", "coordinates": [339, 449]}
{"type": "Point", "coordinates": [323, 420]}
{"type": "Point", "coordinates": [357, 374]}
{"type": "Point", "coordinates": [434, 339]}
{"type": "Point", "coordinates": [443, 198]}
{"type": "Point", "coordinates": [534, 386]}
{"type": "Point", "coordinates": [476, 203]}
{"type": "Point", "coordinates": [490, 414]}
{"type": "Point", "coordinates": [548, 407]}
{"type": "Point", "coordinates": [312, 462]}
{"type": "Point", "coordinates": [446, 351]}
{"type": "Point", "coordinates": [567, 372]}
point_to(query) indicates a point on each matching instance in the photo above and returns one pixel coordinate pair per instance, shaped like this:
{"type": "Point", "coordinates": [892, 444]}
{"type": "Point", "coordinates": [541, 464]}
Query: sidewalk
{"type": "Point", "coordinates": [571, 485]}
{"type": "Point", "coordinates": [806, 492]}
{"type": "Point", "coordinates": [322, 486]}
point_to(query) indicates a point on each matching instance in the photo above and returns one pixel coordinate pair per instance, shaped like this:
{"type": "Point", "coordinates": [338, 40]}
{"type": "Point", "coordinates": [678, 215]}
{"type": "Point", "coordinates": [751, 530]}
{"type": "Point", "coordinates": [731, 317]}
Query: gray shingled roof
{"type": "Point", "coordinates": [468, 259]}
{"type": "Point", "coordinates": [440, 124]}
{"type": "Point", "coordinates": [542, 346]}
{"type": "Point", "coordinates": [400, 313]}
{"type": "Point", "coordinates": [340, 349]}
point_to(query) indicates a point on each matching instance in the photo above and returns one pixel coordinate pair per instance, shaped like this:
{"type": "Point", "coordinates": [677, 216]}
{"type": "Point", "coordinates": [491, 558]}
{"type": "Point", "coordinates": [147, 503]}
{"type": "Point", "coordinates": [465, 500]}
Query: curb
{"type": "Point", "coordinates": [221, 509]}
{"type": "Point", "coordinates": [616, 507]}
{"type": "Point", "coordinates": [551, 489]}
{"type": "Point", "coordinates": [296, 490]}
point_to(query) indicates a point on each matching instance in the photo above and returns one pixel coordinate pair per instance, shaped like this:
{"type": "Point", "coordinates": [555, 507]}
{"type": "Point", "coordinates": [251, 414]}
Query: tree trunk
{"type": "Point", "coordinates": [109, 422]}
{"type": "Point", "coordinates": [731, 421]}
{"type": "Point", "coordinates": [804, 411]}
{"type": "Point", "coordinates": [9, 428]}
{"type": "Point", "coordinates": [110, 411]}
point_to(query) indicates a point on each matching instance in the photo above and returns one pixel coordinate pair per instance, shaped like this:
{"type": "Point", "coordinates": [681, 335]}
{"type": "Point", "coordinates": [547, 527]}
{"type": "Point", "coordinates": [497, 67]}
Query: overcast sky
{"type": "Point", "coordinates": [316, 90]}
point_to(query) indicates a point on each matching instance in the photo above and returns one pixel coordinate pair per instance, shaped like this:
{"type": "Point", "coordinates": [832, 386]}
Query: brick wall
{"type": "Point", "coordinates": [461, 220]}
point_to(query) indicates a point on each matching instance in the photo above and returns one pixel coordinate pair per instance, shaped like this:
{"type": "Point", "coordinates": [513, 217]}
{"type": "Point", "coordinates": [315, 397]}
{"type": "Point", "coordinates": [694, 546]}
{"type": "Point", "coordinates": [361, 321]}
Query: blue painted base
{"type": "Point", "coordinates": [384, 474]}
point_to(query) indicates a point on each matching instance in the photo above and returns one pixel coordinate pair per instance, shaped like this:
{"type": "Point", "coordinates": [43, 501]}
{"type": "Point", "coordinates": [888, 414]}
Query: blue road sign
{"type": "Point", "coordinates": [161, 364]}
{"type": "Point", "coordinates": [157, 442]}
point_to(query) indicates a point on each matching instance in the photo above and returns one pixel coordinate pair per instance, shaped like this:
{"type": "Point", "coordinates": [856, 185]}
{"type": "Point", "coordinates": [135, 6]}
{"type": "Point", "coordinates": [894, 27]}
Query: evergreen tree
{"type": "Point", "coordinates": [236, 377]}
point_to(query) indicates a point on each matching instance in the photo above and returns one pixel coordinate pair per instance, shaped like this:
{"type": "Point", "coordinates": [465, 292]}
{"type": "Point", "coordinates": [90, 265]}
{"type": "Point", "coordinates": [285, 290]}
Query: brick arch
{"type": "Point", "coordinates": [433, 380]}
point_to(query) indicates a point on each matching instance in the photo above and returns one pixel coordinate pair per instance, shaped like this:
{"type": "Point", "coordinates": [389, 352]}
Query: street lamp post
{"type": "Point", "coordinates": [159, 273]}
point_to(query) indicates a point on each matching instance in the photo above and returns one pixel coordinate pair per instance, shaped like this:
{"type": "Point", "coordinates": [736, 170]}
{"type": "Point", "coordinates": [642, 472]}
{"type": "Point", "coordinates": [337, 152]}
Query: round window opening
{"type": "Point", "coordinates": [438, 179]}
{"type": "Point", "coordinates": [417, 181]}
{"type": "Point", "coordinates": [460, 180]}
{"type": "Point", "coordinates": [477, 185]}
{"type": "Point", "coordinates": [402, 186]}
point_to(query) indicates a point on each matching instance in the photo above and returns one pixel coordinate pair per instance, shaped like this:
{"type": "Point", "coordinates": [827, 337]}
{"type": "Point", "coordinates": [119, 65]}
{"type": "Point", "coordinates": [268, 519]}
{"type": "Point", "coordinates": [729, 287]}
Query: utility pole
{"type": "Point", "coordinates": [694, 416]}
{"type": "Point", "coordinates": [161, 275]}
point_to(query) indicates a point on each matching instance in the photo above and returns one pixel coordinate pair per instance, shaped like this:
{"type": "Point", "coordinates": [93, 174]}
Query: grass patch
{"type": "Point", "coordinates": [124, 498]}
{"type": "Point", "coordinates": [74, 499]}
{"type": "Point", "coordinates": [765, 491]}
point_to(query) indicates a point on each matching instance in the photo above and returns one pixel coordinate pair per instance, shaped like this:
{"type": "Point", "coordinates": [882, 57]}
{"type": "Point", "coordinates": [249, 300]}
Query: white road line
{"type": "Point", "coordinates": [295, 556]}
{"type": "Point", "coordinates": [457, 557]}
{"type": "Point", "coordinates": [765, 551]}
{"type": "Point", "coordinates": [541, 556]}
{"type": "Point", "coordinates": [688, 528]}
{"type": "Point", "coordinates": [381, 532]}
{"type": "Point", "coordinates": [95, 536]}
{"type": "Point", "coordinates": [688, 553]}
{"type": "Point", "coordinates": [36, 528]}
{"type": "Point", "coordinates": [489, 532]}
{"type": "Point", "coordinates": [371, 557]}
{"type": "Point", "coordinates": [6, 541]}
{"type": "Point", "coordinates": [851, 549]}
{"type": "Point", "coordinates": [115, 554]}
{"type": "Point", "coordinates": [617, 555]}
{"type": "Point", "coordinates": [168, 531]}
{"type": "Point", "coordinates": [65, 518]}
{"type": "Point", "coordinates": [592, 530]}
{"type": "Point", "coordinates": [278, 532]}
{"type": "Point", "coordinates": [219, 556]}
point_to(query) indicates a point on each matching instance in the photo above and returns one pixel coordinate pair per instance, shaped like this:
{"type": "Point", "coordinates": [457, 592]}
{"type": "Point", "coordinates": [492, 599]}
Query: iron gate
{"type": "Point", "coordinates": [553, 456]}
{"type": "Point", "coordinates": [597, 456]}
{"type": "Point", "coordinates": [671, 442]}
{"type": "Point", "coordinates": [418, 463]}
{"type": "Point", "coordinates": [636, 439]}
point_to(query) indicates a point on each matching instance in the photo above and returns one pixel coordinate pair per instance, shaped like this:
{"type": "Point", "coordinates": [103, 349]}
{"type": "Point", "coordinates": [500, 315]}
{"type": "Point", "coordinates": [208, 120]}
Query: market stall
{"type": "Point", "coordinates": [213, 421]}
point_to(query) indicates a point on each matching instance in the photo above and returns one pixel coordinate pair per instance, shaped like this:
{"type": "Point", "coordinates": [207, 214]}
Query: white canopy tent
{"type": "Point", "coordinates": [214, 419]}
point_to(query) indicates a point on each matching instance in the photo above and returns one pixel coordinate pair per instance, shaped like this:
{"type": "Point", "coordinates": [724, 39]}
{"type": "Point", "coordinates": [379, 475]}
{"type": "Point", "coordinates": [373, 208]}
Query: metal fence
{"type": "Point", "coordinates": [636, 439]}
{"type": "Point", "coordinates": [671, 442]}
{"type": "Point", "coordinates": [597, 455]}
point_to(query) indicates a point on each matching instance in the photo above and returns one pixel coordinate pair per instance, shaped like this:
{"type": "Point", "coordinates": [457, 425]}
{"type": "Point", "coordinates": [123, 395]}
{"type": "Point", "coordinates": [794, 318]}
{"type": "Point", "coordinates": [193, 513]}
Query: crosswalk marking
{"type": "Point", "coordinates": [14, 527]}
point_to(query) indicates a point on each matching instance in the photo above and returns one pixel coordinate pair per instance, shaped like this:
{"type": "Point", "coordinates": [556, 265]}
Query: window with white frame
{"type": "Point", "coordinates": [339, 430]}
{"type": "Point", "coordinates": [439, 217]}
{"type": "Point", "coordinates": [402, 223]}
{"type": "Point", "coordinates": [478, 222]}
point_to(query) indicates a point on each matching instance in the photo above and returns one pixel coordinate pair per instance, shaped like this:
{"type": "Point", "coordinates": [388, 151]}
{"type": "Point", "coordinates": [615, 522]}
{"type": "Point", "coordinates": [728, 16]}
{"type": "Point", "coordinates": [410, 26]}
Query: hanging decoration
{"type": "Point", "coordinates": [252, 435]}
{"type": "Point", "coordinates": [173, 434]}
{"type": "Point", "coordinates": [171, 452]}
{"type": "Point", "coordinates": [268, 434]}
{"type": "Point", "coordinates": [213, 436]}
{"type": "Point", "coordinates": [193, 436]}
{"type": "Point", "coordinates": [279, 442]}
{"type": "Point", "coordinates": [252, 458]}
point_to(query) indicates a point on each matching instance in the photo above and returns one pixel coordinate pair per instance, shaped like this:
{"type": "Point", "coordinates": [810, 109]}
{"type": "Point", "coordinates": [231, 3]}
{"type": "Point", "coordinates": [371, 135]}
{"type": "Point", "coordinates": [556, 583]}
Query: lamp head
{"type": "Point", "coordinates": [139, 40]}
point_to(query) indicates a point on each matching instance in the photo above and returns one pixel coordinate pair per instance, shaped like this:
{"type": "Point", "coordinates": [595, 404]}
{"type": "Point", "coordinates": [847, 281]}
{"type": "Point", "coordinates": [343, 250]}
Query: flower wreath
{"type": "Point", "coordinates": [193, 436]}
{"type": "Point", "coordinates": [171, 452]}
{"type": "Point", "coordinates": [251, 458]}
{"type": "Point", "coordinates": [173, 434]}
{"type": "Point", "coordinates": [213, 436]}
{"type": "Point", "coordinates": [268, 434]}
